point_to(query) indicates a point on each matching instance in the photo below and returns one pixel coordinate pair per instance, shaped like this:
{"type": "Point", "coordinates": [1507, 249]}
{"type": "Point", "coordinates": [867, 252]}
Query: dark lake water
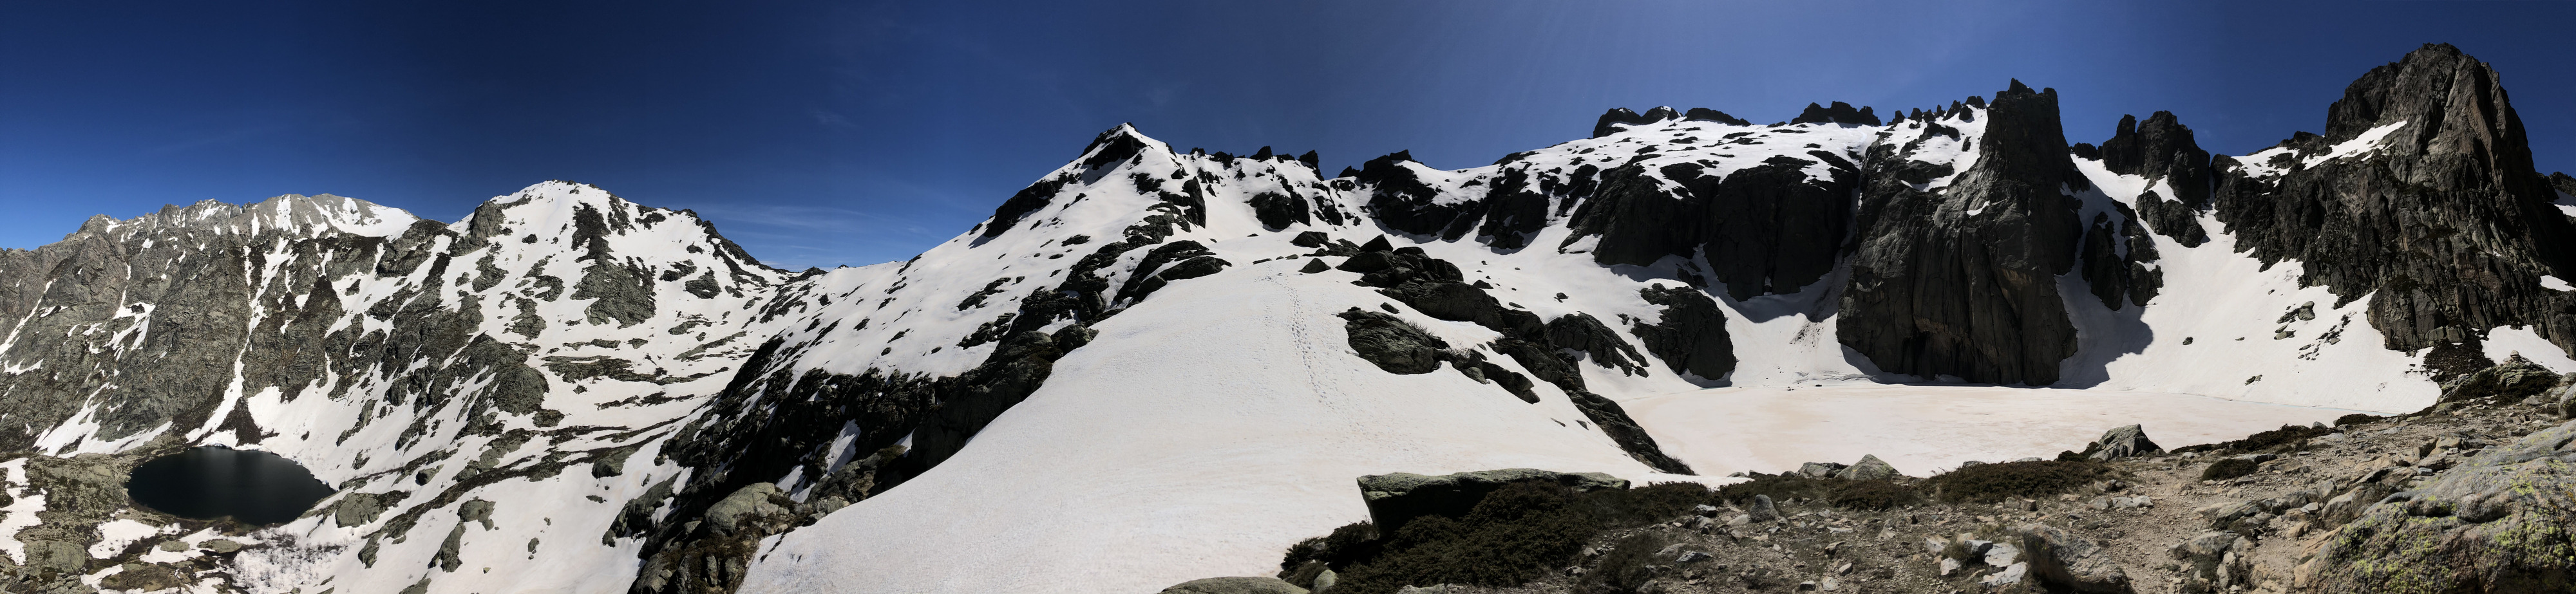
{"type": "Point", "coordinates": [215, 482]}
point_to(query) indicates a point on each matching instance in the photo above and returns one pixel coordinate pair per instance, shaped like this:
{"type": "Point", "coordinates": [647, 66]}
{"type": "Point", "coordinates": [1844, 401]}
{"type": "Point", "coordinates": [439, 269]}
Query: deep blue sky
{"type": "Point", "coordinates": [853, 133]}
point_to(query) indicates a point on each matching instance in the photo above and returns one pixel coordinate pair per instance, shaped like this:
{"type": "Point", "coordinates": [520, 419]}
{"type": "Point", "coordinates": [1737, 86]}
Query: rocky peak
{"type": "Point", "coordinates": [1611, 121]}
{"type": "Point", "coordinates": [1703, 114]}
{"type": "Point", "coordinates": [1840, 113]}
{"type": "Point", "coordinates": [2161, 148]}
{"type": "Point", "coordinates": [295, 214]}
{"type": "Point", "coordinates": [1960, 281]}
{"type": "Point", "coordinates": [2422, 195]}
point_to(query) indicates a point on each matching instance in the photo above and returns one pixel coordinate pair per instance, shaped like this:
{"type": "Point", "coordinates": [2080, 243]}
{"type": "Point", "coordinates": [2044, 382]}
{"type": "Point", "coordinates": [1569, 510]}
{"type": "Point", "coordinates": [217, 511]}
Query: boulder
{"type": "Point", "coordinates": [1397, 498]}
{"type": "Point", "coordinates": [1235, 585]}
{"type": "Point", "coordinates": [2496, 523]}
{"type": "Point", "coordinates": [2064, 560]}
{"type": "Point", "coordinates": [1869, 468]}
{"type": "Point", "coordinates": [1762, 510]}
{"type": "Point", "coordinates": [2000, 555]}
{"type": "Point", "coordinates": [2515, 379]}
{"type": "Point", "coordinates": [2123, 442]}
{"type": "Point", "coordinates": [1820, 469]}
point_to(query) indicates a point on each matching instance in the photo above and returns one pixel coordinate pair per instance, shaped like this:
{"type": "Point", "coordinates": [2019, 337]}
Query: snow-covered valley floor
{"type": "Point", "coordinates": [1923, 429]}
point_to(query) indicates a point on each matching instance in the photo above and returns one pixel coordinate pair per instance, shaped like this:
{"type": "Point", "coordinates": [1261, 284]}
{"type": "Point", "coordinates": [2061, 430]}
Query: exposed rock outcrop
{"type": "Point", "coordinates": [1691, 337]}
{"type": "Point", "coordinates": [1960, 281]}
{"type": "Point", "coordinates": [2497, 523]}
{"type": "Point", "coordinates": [2162, 149]}
{"type": "Point", "coordinates": [2421, 194]}
{"type": "Point", "coordinates": [1840, 113]}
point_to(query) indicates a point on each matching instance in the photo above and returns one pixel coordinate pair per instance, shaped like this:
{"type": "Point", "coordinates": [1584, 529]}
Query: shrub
{"type": "Point", "coordinates": [1781, 487]}
{"type": "Point", "coordinates": [1351, 542]}
{"type": "Point", "coordinates": [2227, 469]}
{"type": "Point", "coordinates": [1874, 495]}
{"type": "Point", "coordinates": [1988, 483]}
{"type": "Point", "coordinates": [1624, 568]}
{"type": "Point", "coordinates": [1515, 534]}
{"type": "Point", "coordinates": [1871, 495]}
{"type": "Point", "coordinates": [2287, 434]}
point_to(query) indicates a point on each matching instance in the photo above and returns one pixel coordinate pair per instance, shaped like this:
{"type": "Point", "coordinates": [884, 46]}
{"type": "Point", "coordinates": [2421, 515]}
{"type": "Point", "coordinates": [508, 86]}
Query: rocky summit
{"type": "Point", "coordinates": [1577, 368]}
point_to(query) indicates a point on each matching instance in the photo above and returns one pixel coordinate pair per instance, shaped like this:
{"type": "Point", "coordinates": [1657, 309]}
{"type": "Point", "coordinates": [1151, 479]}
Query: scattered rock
{"type": "Point", "coordinates": [2496, 523]}
{"type": "Point", "coordinates": [2062, 559]}
{"type": "Point", "coordinates": [2012, 574]}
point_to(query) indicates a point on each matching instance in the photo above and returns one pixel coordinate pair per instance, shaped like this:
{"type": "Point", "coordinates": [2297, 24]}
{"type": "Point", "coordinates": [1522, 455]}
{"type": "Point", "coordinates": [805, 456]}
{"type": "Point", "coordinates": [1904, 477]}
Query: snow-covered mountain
{"type": "Point", "coordinates": [1155, 364]}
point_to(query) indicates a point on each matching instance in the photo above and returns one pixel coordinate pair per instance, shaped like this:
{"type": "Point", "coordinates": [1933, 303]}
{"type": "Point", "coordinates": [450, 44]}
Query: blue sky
{"type": "Point", "coordinates": [851, 133]}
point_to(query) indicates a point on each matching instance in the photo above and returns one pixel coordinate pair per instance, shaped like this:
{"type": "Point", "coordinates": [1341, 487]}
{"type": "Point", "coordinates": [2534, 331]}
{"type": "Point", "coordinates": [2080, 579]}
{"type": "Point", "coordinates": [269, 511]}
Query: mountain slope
{"type": "Point", "coordinates": [1148, 346]}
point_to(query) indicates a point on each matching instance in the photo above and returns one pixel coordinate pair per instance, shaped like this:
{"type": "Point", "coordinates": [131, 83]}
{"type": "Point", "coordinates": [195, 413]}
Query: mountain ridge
{"type": "Point", "coordinates": [1671, 251]}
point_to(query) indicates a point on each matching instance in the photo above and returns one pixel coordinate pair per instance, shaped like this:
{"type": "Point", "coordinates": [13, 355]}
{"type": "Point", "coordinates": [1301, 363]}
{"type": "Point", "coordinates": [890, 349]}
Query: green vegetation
{"type": "Point", "coordinates": [2286, 435]}
{"type": "Point", "coordinates": [1988, 483]}
{"type": "Point", "coordinates": [1514, 535]}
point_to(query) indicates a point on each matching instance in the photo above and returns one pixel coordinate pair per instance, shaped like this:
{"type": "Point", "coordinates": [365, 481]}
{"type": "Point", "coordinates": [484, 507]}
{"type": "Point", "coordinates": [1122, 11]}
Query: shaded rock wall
{"type": "Point", "coordinates": [1960, 280]}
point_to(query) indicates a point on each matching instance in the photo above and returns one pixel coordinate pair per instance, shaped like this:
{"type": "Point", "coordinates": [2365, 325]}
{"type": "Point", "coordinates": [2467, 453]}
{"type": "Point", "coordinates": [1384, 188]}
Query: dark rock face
{"type": "Point", "coordinates": [1278, 210]}
{"type": "Point", "coordinates": [2448, 227]}
{"type": "Point", "coordinates": [2116, 255]}
{"type": "Point", "coordinates": [1514, 211]}
{"type": "Point", "coordinates": [1703, 114]}
{"type": "Point", "coordinates": [1432, 286]}
{"type": "Point", "coordinates": [1840, 113]}
{"type": "Point", "coordinates": [1959, 281]}
{"type": "Point", "coordinates": [1691, 338]}
{"type": "Point", "coordinates": [1401, 201]}
{"type": "Point", "coordinates": [1394, 499]}
{"type": "Point", "coordinates": [1764, 229]}
{"type": "Point", "coordinates": [1186, 259]}
{"type": "Point", "coordinates": [2161, 148]}
{"type": "Point", "coordinates": [1581, 332]}
{"type": "Point", "coordinates": [1620, 115]}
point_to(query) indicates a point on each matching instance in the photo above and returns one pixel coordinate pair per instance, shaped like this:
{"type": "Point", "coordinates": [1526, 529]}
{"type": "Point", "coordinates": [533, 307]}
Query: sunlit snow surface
{"type": "Point", "coordinates": [1926, 429]}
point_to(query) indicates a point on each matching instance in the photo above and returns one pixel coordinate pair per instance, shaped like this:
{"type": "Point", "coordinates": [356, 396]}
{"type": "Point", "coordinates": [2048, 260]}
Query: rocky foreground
{"type": "Point", "coordinates": [2474, 494]}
